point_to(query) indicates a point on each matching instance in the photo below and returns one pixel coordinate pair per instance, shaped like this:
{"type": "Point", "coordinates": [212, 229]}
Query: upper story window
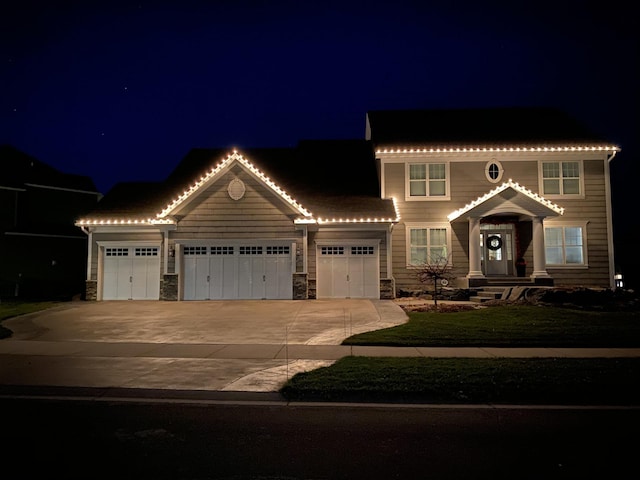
{"type": "Point", "coordinates": [561, 178]}
{"type": "Point", "coordinates": [494, 171]}
{"type": "Point", "coordinates": [427, 181]}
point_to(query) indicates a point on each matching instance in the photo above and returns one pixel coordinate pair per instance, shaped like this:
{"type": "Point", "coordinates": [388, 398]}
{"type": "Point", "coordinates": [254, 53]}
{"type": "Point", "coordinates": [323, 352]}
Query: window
{"type": "Point", "coordinates": [493, 171]}
{"type": "Point", "coordinates": [427, 244]}
{"type": "Point", "coordinates": [195, 250]}
{"type": "Point", "coordinates": [362, 250]}
{"type": "Point", "coordinates": [251, 250]}
{"type": "Point", "coordinates": [221, 250]}
{"type": "Point", "coordinates": [146, 252]}
{"type": "Point", "coordinates": [332, 250]}
{"type": "Point", "coordinates": [278, 250]}
{"type": "Point", "coordinates": [561, 178]}
{"type": "Point", "coordinates": [116, 252]}
{"type": "Point", "coordinates": [565, 245]}
{"type": "Point", "coordinates": [427, 180]}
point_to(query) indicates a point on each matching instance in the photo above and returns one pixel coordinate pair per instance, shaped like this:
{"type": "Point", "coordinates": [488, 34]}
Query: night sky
{"type": "Point", "coordinates": [121, 91]}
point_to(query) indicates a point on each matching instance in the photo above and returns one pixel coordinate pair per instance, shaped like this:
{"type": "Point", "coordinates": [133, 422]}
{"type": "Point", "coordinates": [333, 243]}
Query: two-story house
{"type": "Point", "coordinates": [478, 189]}
{"type": "Point", "coordinates": [42, 252]}
{"type": "Point", "coordinates": [487, 190]}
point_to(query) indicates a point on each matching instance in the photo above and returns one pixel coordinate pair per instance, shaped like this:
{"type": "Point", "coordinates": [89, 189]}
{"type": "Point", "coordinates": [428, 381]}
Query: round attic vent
{"type": "Point", "coordinates": [236, 189]}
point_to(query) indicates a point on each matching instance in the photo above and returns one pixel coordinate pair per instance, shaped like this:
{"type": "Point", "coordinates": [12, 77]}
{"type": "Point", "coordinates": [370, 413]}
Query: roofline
{"type": "Point", "coordinates": [64, 189]}
{"type": "Point", "coordinates": [91, 222]}
{"type": "Point", "coordinates": [508, 184]}
{"type": "Point", "coordinates": [491, 149]}
{"type": "Point", "coordinates": [235, 156]}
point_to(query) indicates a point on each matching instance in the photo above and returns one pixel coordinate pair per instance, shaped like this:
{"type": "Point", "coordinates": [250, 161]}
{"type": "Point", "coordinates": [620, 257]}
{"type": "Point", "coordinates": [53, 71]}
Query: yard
{"type": "Point", "coordinates": [582, 381]}
{"type": "Point", "coordinates": [10, 309]}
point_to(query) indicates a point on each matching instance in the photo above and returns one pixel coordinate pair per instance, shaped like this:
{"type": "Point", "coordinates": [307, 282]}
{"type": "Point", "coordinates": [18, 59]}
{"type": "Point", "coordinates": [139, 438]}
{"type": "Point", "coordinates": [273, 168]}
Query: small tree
{"type": "Point", "coordinates": [434, 270]}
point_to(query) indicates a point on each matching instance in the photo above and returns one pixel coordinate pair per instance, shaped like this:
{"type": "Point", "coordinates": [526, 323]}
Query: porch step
{"type": "Point", "coordinates": [484, 294]}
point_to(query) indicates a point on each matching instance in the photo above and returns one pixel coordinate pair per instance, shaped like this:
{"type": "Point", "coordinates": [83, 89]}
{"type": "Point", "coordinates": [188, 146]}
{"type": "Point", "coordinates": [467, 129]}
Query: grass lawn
{"type": "Point", "coordinates": [551, 381]}
{"type": "Point", "coordinates": [510, 326]}
{"type": "Point", "coordinates": [9, 309]}
{"type": "Point", "coordinates": [559, 381]}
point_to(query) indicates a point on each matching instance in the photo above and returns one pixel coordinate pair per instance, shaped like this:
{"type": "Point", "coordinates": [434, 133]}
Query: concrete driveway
{"type": "Point", "coordinates": [311, 322]}
{"type": "Point", "coordinates": [219, 345]}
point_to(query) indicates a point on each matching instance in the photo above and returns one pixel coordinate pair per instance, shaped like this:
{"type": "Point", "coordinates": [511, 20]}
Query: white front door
{"type": "Point", "coordinates": [347, 271]}
{"type": "Point", "coordinates": [131, 273]}
{"type": "Point", "coordinates": [496, 252]}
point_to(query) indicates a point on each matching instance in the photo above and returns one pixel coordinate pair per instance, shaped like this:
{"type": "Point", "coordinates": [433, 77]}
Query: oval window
{"type": "Point", "coordinates": [493, 171]}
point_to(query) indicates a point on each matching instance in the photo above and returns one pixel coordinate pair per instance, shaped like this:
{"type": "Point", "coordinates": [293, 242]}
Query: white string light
{"type": "Point", "coordinates": [568, 148]}
{"type": "Point", "coordinates": [509, 184]}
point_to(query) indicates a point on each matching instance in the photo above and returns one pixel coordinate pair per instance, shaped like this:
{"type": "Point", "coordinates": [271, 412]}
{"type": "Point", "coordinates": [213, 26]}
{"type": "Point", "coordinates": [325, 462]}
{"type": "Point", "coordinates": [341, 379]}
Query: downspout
{"type": "Point", "coordinates": [89, 233]}
{"type": "Point", "coordinates": [165, 241]}
{"type": "Point", "coordinates": [609, 208]}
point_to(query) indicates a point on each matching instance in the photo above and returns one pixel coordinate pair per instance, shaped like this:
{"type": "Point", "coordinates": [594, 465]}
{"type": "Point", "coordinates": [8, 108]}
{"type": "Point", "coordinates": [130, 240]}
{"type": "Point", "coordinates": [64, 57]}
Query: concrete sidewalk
{"type": "Point", "coordinates": [213, 367]}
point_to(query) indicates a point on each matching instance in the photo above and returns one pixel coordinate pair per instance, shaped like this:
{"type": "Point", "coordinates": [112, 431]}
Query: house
{"type": "Point", "coordinates": [484, 190]}
{"type": "Point", "coordinates": [42, 252]}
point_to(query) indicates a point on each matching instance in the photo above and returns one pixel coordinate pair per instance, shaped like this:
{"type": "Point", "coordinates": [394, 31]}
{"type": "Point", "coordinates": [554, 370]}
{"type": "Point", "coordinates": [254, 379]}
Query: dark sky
{"type": "Point", "coordinates": [122, 90]}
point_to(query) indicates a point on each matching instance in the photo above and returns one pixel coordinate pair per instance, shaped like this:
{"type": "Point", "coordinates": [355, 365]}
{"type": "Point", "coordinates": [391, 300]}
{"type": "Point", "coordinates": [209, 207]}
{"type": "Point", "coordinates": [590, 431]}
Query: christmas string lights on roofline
{"type": "Point", "coordinates": [123, 221]}
{"type": "Point", "coordinates": [496, 149]}
{"type": "Point", "coordinates": [219, 167]}
{"type": "Point", "coordinates": [508, 184]}
{"type": "Point", "coordinates": [322, 221]}
{"type": "Point", "coordinates": [162, 218]}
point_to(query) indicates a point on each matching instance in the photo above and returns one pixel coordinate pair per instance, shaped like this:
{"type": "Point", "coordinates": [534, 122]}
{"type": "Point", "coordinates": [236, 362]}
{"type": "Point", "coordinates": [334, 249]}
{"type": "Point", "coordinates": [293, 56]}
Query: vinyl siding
{"type": "Point", "coordinates": [260, 214]}
{"type": "Point", "coordinates": [468, 182]}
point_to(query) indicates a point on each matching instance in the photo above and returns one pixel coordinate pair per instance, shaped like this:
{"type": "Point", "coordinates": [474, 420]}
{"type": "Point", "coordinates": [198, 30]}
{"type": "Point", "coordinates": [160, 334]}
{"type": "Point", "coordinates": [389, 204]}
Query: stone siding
{"type": "Point", "coordinates": [300, 286]}
{"type": "Point", "coordinates": [387, 289]}
{"type": "Point", "coordinates": [169, 287]}
{"type": "Point", "coordinates": [91, 290]}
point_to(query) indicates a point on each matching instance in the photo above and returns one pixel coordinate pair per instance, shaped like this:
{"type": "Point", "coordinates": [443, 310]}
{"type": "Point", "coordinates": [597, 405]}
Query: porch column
{"type": "Point", "coordinates": [539, 258]}
{"type": "Point", "coordinates": [475, 266]}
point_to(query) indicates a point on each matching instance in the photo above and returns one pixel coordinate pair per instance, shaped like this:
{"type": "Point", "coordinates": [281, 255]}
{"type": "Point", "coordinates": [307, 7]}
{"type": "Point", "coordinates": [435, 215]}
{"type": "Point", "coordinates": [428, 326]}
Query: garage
{"type": "Point", "coordinates": [131, 273]}
{"type": "Point", "coordinates": [348, 271]}
{"type": "Point", "coordinates": [238, 271]}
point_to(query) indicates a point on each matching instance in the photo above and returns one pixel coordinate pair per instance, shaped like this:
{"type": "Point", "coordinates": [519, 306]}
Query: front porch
{"type": "Point", "coordinates": [505, 233]}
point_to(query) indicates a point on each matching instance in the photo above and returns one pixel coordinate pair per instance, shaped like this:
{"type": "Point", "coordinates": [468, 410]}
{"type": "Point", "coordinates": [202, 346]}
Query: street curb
{"type": "Point", "coordinates": [229, 398]}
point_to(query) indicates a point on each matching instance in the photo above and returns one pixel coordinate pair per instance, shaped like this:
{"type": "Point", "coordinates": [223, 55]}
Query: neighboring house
{"type": "Point", "coordinates": [42, 252]}
{"type": "Point", "coordinates": [479, 189]}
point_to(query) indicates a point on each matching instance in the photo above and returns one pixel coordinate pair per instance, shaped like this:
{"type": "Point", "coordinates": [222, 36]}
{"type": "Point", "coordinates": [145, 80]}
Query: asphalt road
{"type": "Point", "coordinates": [149, 439]}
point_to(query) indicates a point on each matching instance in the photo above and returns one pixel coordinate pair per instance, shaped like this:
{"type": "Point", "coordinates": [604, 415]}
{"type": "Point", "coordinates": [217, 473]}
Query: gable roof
{"type": "Point", "coordinates": [325, 180]}
{"type": "Point", "coordinates": [220, 168]}
{"type": "Point", "coordinates": [508, 198]}
{"type": "Point", "coordinates": [20, 170]}
{"type": "Point", "coordinates": [484, 127]}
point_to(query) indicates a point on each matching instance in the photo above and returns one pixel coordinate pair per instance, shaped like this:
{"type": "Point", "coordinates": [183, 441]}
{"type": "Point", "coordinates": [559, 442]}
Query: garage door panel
{"type": "Point", "coordinates": [371, 279]}
{"type": "Point", "coordinates": [347, 271]}
{"type": "Point", "coordinates": [241, 272]}
{"type": "Point", "coordinates": [131, 273]}
{"type": "Point", "coordinates": [278, 279]}
{"type": "Point", "coordinates": [223, 277]}
{"type": "Point", "coordinates": [196, 272]}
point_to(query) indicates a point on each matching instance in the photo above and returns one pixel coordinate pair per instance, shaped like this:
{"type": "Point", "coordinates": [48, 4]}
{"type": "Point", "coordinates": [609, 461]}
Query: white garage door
{"type": "Point", "coordinates": [131, 273]}
{"type": "Point", "coordinates": [348, 271]}
{"type": "Point", "coordinates": [234, 271]}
